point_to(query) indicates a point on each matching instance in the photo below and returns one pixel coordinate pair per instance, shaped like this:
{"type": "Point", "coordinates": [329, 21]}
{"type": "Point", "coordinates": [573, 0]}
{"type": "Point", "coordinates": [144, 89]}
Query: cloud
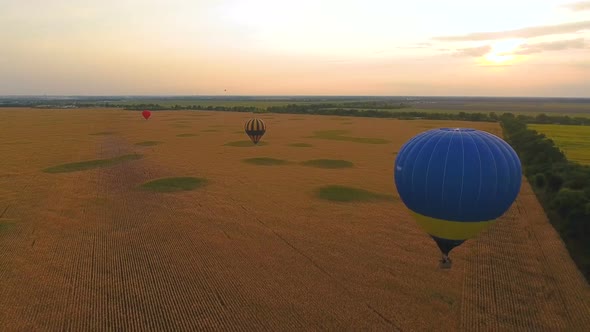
{"type": "Point", "coordinates": [578, 6]}
{"type": "Point", "coordinates": [526, 49]}
{"type": "Point", "coordinates": [579, 43]}
{"type": "Point", "coordinates": [499, 65]}
{"type": "Point", "coordinates": [474, 51]}
{"type": "Point", "coordinates": [529, 32]}
{"type": "Point", "coordinates": [416, 46]}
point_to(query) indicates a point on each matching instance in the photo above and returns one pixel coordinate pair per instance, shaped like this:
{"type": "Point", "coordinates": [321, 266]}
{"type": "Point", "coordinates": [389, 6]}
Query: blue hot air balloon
{"type": "Point", "coordinates": [456, 181]}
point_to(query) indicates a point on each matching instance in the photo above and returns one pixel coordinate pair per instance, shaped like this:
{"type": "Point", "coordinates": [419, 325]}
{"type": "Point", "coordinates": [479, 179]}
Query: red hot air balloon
{"type": "Point", "coordinates": [146, 114]}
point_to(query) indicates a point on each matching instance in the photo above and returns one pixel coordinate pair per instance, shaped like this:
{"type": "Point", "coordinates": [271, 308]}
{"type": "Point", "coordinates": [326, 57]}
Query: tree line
{"type": "Point", "coordinates": [371, 109]}
{"type": "Point", "coordinates": [391, 111]}
{"type": "Point", "coordinates": [562, 186]}
{"type": "Point", "coordinates": [158, 107]}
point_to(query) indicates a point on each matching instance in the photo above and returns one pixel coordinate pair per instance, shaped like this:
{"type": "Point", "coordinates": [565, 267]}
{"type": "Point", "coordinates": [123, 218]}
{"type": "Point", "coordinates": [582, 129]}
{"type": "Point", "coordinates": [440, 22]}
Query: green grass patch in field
{"type": "Point", "coordinates": [443, 298]}
{"type": "Point", "coordinates": [148, 143]}
{"type": "Point", "coordinates": [340, 193]}
{"type": "Point", "coordinates": [574, 141]}
{"type": "Point", "coordinates": [90, 164]}
{"type": "Point", "coordinates": [174, 184]}
{"type": "Point", "coordinates": [328, 163]}
{"type": "Point", "coordinates": [176, 119]}
{"type": "Point", "coordinates": [300, 145]}
{"type": "Point", "coordinates": [6, 224]}
{"type": "Point", "coordinates": [102, 133]}
{"type": "Point", "coordinates": [186, 135]}
{"type": "Point", "coordinates": [17, 143]}
{"type": "Point", "coordinates": [244, 144]}
{"type": "Point", "coordinates": [102, 201]}
{"type": "Point", "coordinates": [265, 161]}
{"type": "Point", "coordinates": [339, 135]}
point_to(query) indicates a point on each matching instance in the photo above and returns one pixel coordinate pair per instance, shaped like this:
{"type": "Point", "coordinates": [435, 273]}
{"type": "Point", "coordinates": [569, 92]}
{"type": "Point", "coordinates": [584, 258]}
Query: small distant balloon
{"type": "Point", "coordinates": [255, 129]}
{"type": "Point", "coordinates": [146, 114]}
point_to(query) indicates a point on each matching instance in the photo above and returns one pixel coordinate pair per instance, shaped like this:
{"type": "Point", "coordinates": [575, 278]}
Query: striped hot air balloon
{"type": "Point", "coordinates": [255, 129]}
{"type": "Point", "coordinates": [456, 181]}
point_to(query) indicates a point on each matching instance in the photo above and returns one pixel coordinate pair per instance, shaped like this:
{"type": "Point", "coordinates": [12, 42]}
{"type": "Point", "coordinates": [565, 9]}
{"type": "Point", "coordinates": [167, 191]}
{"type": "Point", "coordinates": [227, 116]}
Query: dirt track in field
{"type": "Point", "coordinates": [255, 249]}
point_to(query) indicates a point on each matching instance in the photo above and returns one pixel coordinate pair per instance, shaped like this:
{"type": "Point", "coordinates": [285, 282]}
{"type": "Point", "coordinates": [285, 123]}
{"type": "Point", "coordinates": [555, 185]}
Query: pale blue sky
{"type": "Point", "coordinates": [373, 47]}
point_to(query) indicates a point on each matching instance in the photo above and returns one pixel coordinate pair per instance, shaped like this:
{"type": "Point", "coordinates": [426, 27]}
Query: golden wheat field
{"type": "Point", "coordinates": [255, 248]}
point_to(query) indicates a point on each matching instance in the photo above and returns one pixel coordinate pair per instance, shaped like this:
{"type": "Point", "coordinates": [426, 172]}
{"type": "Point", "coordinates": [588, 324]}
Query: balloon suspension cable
{"type": "Point", "coordinates": [446, 262]}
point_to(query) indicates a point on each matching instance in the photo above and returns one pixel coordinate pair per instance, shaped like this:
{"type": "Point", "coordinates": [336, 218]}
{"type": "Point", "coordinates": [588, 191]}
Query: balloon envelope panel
{"type": "Point", "coordinates": [255, 129]}
{"type": "Point", "coordinates": [457, 182]}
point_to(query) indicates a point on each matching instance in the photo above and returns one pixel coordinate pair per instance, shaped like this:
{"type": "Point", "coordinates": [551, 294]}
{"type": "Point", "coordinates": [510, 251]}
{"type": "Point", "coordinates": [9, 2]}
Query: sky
{"type": "Point", "coordinates": [302, 47]}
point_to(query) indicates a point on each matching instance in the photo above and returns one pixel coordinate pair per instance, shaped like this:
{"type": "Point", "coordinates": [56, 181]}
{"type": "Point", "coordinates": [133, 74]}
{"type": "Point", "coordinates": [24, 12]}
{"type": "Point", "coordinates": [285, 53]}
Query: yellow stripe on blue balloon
{"type": "Point", "coordinates": [451, 230]}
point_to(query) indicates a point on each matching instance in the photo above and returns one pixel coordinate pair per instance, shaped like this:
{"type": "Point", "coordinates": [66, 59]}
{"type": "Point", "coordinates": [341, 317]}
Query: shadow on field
{"type": "Point", "coordinates": [300, 145]}
{"type": "Point", "coordinates": [90, 164]}
{"type": "Point", "coordinates": [187, 135]}
{"type": "Point", "coordinates": [244, 144]}
{"type": "Point", "coordinates": [17, 143]}
{"type": "Point", "coordinates": [338, 135]}
{"type": "Point", "coordinates": [265, 161]}
{"type": "Point", "coordinates": [328, 163]}
{"type": "Point", "coordinates": [340, 193]}
{"type": "Point", "coordinates": [149, 143]}
{"type": "Point", "coordinates": [6, 225]}
{"type": "Point", "coordinates": [179, 120]}
{"type": "Point", "coordinates": [103, 133]}
{"type": "Point", "coordinates": [174, 184]}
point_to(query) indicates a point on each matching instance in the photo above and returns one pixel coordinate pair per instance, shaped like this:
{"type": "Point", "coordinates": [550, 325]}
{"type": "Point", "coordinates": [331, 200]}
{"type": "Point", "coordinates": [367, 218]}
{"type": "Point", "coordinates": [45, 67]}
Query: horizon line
{"type": "Point", "coordinates": [279, 96]}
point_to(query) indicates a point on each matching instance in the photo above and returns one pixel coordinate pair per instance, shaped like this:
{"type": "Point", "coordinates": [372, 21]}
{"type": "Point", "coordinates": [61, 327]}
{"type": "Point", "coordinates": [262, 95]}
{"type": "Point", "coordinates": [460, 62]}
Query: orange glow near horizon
{"type": "Point", "coordinates": [502, 51]}
{"type": "Point", "coordinates": [378, 47]}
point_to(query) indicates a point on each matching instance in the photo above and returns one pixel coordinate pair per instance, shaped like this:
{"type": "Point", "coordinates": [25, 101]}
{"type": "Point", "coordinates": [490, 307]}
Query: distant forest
{"type": "Point", "coordinates": [373, 110]}
{"type": "Point", "coordinates": [365, 108]}
{"type": "Point", "coordinates": [562, 186]}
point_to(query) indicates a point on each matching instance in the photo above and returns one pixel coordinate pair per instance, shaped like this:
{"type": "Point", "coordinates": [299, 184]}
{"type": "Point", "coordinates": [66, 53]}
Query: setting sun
{"type": "Point", "coordinates": [501, 51]}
